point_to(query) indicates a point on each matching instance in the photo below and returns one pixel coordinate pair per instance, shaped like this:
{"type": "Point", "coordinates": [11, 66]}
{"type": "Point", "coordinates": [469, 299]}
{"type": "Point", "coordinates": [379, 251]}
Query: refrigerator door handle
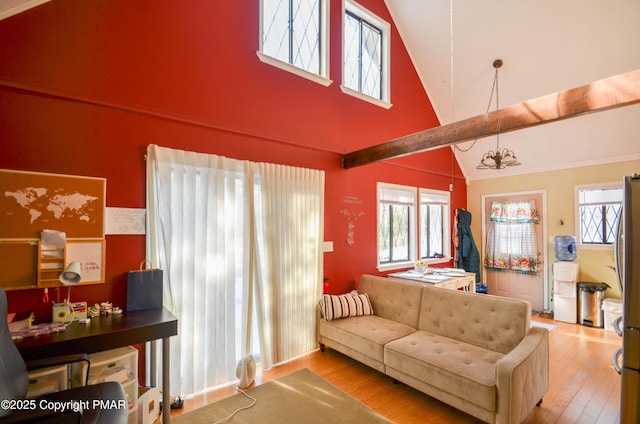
{"type": "Point", "coordinates": [616, 361]}
{"type": "Point", "coordinates": [618, 252]}
{"type": "Point", "coordinates": [616, 325]}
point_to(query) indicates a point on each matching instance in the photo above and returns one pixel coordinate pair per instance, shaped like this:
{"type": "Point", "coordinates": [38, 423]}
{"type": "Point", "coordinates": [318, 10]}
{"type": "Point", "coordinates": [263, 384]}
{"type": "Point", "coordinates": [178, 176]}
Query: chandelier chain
{"type": "Point", "coordinates": [495, 86]}
{"type": "Point", "coordinates": [494, 90]}
{"type": "Point", "coordinates": [500, 158]}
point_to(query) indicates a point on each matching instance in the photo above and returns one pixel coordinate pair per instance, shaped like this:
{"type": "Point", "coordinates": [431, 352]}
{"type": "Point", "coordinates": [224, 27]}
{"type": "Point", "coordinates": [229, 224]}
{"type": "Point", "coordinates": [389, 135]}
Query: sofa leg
{"type": "Point", "coordinates": [321, 347]}
{"type": "Point", "coordinates": [539, 402]}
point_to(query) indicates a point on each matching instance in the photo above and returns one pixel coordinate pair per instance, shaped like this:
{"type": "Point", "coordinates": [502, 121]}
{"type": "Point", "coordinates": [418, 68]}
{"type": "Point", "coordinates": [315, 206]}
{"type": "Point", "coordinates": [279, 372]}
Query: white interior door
{"type": "Point", "coordinates": [532, 288]}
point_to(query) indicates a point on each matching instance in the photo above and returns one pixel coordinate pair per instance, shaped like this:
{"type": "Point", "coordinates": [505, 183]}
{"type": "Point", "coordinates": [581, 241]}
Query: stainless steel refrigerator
{"type": "Point", "coordinates": [630, 281]}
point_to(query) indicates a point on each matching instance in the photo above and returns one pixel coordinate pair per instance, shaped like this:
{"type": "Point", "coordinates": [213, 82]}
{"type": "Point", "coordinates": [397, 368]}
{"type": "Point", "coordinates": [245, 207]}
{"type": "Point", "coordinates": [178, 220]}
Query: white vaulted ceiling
{"type": "Point", "coordinates": [547, 46]}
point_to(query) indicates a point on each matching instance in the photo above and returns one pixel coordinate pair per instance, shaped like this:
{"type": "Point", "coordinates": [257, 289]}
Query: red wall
{"type": "Point", "coordinates": [86, 86]}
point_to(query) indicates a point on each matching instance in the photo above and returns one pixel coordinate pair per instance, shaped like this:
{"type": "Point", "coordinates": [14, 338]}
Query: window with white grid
{"type": "Point", "coordinates": [365, 67]}
{"type": "Point", "coordinates": [294, 36]}
{"type": "Point", "coordinates": [434, 224]}
{"type": "Point", "coordinates": [413, 223]}
{"type": "Point", "coordinates": [598, 211]}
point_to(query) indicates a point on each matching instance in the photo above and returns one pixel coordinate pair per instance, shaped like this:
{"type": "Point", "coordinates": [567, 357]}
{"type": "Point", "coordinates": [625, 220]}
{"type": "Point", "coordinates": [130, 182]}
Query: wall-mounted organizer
{"type": "Point", "coordinates": [51, 263]}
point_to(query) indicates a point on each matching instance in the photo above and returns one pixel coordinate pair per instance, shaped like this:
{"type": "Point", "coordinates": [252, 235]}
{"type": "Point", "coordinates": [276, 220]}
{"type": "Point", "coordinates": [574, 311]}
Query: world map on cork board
{"type": "Point", "coordinates": [31, 202]}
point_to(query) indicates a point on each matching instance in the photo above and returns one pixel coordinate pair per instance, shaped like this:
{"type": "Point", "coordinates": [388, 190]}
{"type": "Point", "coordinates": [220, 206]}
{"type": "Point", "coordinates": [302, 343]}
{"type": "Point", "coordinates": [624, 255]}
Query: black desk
{"type": "Point", "coordinates": [104, 333]}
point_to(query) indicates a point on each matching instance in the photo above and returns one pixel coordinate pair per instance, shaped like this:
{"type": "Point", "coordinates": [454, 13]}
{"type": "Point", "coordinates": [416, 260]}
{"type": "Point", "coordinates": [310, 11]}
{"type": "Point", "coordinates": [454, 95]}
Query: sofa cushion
{"type": "Point", "coordinates": [459, 368]}
{"type": "Point", "coordinates": [490, 322]}
{"type": "Point", "coordinates": [365, 334]}
{"type": "Point", "coordinates": [395, 300]}
{"type": "Point", "coordinates": [345, 305]}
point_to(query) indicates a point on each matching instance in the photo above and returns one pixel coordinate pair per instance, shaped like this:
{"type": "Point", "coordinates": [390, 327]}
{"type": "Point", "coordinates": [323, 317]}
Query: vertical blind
{"type": "Point", "coordinates": [235, 238]}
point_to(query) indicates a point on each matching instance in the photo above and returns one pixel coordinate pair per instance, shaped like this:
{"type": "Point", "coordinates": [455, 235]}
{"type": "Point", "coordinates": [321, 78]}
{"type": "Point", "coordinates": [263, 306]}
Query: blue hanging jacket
{"type": "Point", "coordinates": [468, 255]}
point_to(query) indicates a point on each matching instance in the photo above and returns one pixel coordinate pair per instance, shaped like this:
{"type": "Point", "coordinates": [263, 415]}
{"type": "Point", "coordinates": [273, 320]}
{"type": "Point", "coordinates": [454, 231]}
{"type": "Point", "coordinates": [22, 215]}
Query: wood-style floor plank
{"type": "Point", "coordinates": [583, 385]}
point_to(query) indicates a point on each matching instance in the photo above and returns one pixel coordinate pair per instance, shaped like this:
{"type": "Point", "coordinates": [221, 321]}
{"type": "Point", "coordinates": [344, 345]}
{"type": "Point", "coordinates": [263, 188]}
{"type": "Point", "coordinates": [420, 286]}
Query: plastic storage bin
{"type": "Point", "coordinates": [120, 365]}
{"type": "Point", "coordinates": [590, 300]}
{"type": "Point", "coordinates": [612, 310]}
{"type": "Point", "coordinates": [47, 380]}
{"type": "Point", "coordinates": [565, 248]}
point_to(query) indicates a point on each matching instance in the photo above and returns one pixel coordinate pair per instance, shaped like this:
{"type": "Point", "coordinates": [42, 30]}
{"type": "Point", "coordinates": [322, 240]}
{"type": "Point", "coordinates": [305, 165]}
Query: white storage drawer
{"type": "Point", "coordinates": [119, 365]}
{"type": "Point", "coordinates": [47, 380]}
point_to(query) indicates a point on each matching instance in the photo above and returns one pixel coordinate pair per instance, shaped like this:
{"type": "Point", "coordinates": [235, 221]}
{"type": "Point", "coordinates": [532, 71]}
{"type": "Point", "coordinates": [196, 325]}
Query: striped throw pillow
{"type": "Point", "coordinates": [347, 305]}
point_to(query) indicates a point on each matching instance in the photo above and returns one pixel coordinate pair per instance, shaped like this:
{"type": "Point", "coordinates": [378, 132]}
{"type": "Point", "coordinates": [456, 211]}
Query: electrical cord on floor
{"type": "Point", "coordinates": [227, 418]}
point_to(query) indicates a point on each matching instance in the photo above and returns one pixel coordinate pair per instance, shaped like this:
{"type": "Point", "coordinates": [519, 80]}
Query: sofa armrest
{"type": "Point", "coordinates": [522, 377]}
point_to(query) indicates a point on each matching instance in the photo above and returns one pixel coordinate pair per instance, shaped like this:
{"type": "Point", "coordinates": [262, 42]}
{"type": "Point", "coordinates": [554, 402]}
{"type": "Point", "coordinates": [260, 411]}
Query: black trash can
{"type": "Point", "coordinates": [590, 297]}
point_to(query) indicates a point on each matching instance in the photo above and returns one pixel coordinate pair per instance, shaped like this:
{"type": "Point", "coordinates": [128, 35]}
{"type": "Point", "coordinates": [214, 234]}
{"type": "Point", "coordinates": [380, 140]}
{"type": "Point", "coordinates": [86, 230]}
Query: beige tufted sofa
{"type": "Point", "coordinates": [474, 352]}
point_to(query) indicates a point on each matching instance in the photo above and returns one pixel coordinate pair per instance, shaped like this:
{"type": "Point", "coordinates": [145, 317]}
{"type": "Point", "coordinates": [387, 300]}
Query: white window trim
{"type": "Point", "coordinates": [447, 224]}
{"type": "Point", "coordinates": [323, 77]}
{"type": "Point", "coordinates": [385, 27]}
{"type": "Point", "coordinates": [413, 222]}
{"type": "Point", "coordinates": [364, 97]}
{"type": "Point", "coordinates": [576, 197]}
{"type": "Point", "coordinates": [414, 235]}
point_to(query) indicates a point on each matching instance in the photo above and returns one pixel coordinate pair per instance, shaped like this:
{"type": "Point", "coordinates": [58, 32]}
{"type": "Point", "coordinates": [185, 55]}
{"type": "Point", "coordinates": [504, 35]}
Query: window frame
{"type": "Point", "coordinates": [415, 232]}
{"type": "Point", "coordinates": [353, 8]}
{"type": "Point", "coordinates": [411, 223]}
{"type": "Point", "coordinates": [446, 224]}
{"type": "Point", "coordinates": [578, 218]}
{"type": "Point", "coordinates": [323, 77]}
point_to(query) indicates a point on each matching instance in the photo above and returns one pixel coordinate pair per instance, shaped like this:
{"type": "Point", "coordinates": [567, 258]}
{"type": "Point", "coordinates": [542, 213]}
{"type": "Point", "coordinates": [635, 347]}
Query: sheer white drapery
{"type": "Point", "coordinates": [233, 237]}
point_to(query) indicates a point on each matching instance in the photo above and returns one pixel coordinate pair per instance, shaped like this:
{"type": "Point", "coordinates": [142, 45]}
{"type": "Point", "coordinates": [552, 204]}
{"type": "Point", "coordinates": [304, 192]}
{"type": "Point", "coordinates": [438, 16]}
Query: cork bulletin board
{"type": "Point", "coordinates": [31, 202]}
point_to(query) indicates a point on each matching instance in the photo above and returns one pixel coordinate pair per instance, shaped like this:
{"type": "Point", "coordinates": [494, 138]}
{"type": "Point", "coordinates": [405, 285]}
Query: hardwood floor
{"type": "Point", "coordinates": [583, 385]}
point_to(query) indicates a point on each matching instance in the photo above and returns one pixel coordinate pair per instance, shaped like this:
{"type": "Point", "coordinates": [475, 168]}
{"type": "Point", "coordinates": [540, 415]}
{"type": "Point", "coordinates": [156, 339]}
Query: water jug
{"type": "Point", "coordinates": [565, 248]}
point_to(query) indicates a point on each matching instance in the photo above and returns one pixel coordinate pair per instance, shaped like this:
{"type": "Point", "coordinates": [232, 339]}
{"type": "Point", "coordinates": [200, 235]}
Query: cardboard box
{"type": "Point", "coordinates": [148, 404]}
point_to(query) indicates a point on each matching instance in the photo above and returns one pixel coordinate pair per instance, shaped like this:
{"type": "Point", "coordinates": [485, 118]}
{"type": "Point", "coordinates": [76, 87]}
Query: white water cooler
{"type": "Point", "coordinates": [565, 291]}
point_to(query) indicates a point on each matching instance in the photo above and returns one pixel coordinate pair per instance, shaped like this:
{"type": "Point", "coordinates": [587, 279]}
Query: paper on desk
{"type": "Point", "coordinates": [431, 278]}
{"type": "Point", "coordinates": [435, 278]}
{"type": "Point", "coordinates": [452, 272]}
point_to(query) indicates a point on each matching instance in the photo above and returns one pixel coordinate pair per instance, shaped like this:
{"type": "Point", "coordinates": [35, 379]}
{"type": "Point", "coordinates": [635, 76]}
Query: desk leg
{"type": "Point", "coordinates": [153, 366]}
{"type": "Point", "coordinates": [166, 372]}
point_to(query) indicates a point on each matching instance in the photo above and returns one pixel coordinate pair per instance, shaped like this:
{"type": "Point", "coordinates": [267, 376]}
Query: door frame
{"type": "Point", "coordinates": [542, 211]}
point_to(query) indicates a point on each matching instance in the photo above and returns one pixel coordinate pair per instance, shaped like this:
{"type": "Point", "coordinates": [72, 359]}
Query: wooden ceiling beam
{"type": "Point", "coordinates": [609, 93]}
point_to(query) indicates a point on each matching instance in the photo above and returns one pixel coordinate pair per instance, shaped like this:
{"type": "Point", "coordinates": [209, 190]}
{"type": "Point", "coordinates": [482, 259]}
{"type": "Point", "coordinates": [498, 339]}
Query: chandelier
{"type": "Point", "coordinates": [498, 158]}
